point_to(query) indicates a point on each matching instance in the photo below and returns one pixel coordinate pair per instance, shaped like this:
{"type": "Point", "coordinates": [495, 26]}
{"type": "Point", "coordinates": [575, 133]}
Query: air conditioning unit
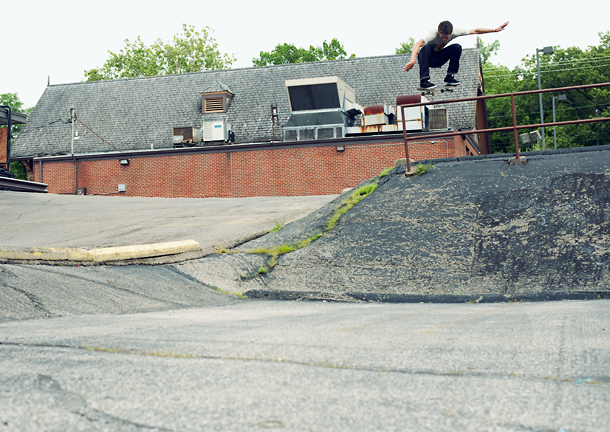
{"type": "Point", "coordinates": [438, 119]}
{"type": "Point", "coordinates": [218, 130]}
{"type": "Point", "coordinates": [416, 118]}
{"type": "Point", "coordinates": [186, 135]}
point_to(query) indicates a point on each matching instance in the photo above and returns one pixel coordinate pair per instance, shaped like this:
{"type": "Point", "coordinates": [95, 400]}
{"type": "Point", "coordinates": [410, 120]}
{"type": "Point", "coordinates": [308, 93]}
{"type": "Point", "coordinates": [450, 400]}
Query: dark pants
{"type": "Point", "coordinates": [428, 58]}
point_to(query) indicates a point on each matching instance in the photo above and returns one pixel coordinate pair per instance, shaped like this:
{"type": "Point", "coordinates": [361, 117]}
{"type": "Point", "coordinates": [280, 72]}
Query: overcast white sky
{"type": "Point", "coordinates": [62, 39]}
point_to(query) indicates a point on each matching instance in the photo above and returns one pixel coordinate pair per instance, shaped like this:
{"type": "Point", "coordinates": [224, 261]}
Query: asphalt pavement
{"type": "Point", "coordinates": [61, 221]}
{"type": "Point", "coordinates": [173, 345]}
{"type": "Point", "coordinates": [41, 289]}
{"type": "Point", "coordinates": [311, 366]}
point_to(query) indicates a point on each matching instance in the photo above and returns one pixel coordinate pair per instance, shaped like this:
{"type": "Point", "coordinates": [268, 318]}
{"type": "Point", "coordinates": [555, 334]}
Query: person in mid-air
{"type": "Point", "coordinates": [432, 52]}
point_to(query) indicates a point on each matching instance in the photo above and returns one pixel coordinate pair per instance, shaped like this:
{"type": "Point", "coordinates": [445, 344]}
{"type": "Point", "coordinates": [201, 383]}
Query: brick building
{"type": "Point", "coordinates": [238, 132]}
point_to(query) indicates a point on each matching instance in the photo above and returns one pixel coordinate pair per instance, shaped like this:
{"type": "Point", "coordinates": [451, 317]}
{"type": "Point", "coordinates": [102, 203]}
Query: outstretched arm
{"type": "Point", "coordinates": [485, 30]}
{"type": "Point", "coordinates": [416, 47]}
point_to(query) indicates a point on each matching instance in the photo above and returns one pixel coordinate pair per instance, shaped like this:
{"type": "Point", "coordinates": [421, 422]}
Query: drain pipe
{"type": "Point", "coordinates": [73, 117]}
{"type": "Point", "coordinates": [8, 137]}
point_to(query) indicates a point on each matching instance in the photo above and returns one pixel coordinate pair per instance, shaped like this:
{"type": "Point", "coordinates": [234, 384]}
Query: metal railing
{"type": "Point", "coordinates": [22, 185]}
{"type": "Point", "coordinates": [408, 101]}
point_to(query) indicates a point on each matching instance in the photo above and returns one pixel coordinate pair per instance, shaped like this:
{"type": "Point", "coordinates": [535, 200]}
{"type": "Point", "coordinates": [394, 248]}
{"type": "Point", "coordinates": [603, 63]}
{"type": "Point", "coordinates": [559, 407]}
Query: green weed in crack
{"type": "Point", "coordinates": [274, 252]}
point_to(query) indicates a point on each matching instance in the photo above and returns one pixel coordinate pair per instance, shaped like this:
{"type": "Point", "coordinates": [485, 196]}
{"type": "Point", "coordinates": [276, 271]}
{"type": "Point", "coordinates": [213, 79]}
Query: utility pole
{"type": "Point", "coordinates": [546, 50]}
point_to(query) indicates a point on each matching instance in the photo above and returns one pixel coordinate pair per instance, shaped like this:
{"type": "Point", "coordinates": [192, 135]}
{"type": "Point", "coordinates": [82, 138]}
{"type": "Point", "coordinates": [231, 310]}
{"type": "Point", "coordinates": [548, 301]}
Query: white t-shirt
{"type": "Point", "coordinates": [433, 38]}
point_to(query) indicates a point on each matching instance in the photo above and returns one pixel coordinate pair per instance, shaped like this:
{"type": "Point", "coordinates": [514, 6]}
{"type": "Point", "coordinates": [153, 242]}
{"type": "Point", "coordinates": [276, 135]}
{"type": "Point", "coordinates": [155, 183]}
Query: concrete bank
{"type": "Point", "coordinates": [477, 229]}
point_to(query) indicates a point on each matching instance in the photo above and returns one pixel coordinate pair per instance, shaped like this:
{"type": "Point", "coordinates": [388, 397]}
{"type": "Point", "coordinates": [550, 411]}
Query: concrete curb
{"type": "Point", "coordinates": [432, 298]}
{"type": "Point", "coordinates": [98, 254]}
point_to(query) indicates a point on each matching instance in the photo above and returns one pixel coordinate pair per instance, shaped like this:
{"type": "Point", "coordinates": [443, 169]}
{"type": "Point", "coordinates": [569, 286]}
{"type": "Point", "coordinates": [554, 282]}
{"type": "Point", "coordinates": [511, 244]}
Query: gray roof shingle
{"type": "Point", "coordinates": [140, 113]}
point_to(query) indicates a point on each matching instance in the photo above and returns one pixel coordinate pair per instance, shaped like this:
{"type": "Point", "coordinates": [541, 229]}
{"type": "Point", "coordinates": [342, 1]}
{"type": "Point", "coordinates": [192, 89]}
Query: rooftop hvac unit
{"type": "Point", "coordinates": [319, 93]}
{"type": "Point", "coordinates": [438, 120]}
{"type": "Point", "coordinates": [186, 135]}
{"type": "Point", "coordinates": [216, 131]}
{"type": "Point", "coordinates": [321, 108]}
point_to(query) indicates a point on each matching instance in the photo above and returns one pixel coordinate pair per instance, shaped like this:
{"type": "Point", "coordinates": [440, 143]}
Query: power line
{"type": "Point", "coordinates": [78, 120]}
{"type": "Point", "coordinates": [521, 72]}
{"type": "Point", "coordinates": [603, 59]}
{"type": "Point", "coordinates": [594, 59]}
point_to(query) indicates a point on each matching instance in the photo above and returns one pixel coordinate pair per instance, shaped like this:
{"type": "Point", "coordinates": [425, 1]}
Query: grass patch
{"type": "Point", "coordinates": [263, 269]}
{"type": "Point", "coordinates": [279, 225]}
{"type": "Point", "coordinates": [274, 252]}
{"type": "Point", "coordinates": [385, 172]}
{"type": "Point", "coordinates": [423, 169]}
{"type": "Point", "coordinates": [238, 295]}
{"type": "Point", "coordinates": [350, 202]}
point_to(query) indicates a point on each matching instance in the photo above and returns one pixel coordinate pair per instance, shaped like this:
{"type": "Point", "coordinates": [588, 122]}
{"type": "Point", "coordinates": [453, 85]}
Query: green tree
{"type": "Point", "coordinates": [405, 47]}
{"type": "Point", "coordinates": [288, 53]}
{"type": "Point", "coordinates": [566, 67]}
{"type": "Point", "coordinates": [12, 100]}
{"type": "Point", "coordinates": [191, 51]}
{"type": "Point", "coordinates": [488, 49]}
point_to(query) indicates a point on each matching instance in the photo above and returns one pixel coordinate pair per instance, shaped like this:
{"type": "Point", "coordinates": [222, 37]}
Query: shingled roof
{"type": "Point", "coordinates": [140, 113]}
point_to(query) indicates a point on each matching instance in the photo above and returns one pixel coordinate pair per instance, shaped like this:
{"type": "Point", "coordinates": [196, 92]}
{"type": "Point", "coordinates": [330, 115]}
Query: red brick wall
{"type": "Point", "coordinates": [277, 172]}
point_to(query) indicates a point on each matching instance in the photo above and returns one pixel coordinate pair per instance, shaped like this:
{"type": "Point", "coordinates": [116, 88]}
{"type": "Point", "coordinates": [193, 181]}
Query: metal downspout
{"type": "Point", "coordinates": [73, 115]}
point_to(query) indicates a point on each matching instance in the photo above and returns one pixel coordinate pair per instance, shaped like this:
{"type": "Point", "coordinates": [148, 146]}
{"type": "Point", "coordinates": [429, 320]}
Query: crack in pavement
{"type": "Point", "coordinates": [604, 380]}
{"type": "Point", "coordinates": [71, 402]}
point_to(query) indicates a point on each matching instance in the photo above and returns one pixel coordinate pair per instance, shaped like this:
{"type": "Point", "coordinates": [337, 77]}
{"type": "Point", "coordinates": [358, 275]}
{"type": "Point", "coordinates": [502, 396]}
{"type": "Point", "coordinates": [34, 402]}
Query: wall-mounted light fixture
{"type": "Point", "coordinates": [340, 148]}
{"type": "Point", "coordinates": [124, 161]}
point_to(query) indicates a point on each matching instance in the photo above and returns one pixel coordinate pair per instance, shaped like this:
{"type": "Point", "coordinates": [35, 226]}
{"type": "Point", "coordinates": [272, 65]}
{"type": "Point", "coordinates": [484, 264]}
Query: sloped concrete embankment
{"type": "Point", "coordinates": [480, 229]}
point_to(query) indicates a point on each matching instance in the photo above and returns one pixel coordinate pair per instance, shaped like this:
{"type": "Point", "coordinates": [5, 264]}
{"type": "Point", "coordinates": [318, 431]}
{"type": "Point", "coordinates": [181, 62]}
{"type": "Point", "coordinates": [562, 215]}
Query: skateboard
{"type": "Point", "coordinates": [444, 88]}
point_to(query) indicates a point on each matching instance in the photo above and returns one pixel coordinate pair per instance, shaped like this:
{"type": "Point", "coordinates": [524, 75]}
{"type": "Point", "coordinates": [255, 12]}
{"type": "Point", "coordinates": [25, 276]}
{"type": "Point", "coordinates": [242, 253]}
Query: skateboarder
{"type": "Point", "coordinates": [432, 51]}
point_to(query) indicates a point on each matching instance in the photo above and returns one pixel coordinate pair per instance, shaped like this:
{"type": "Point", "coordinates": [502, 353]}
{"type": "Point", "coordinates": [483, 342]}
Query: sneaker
{"type": "Point", "coordinates": [449, 80]}
{"type": "Point", "coordinates": [426, 84]}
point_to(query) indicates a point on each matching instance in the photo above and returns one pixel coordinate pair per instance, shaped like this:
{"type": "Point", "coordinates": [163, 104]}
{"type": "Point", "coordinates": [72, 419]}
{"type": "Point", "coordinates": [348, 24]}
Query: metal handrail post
{"type": "Point", "coordinates": [515, 133]}
{"type": "Point", "coordinates": [404, 135]}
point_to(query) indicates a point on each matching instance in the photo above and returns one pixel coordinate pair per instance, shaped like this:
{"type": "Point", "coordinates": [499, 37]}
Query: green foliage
{"type": "Point", "coordinates": [274, 252]}
{"type": "Point", "coordinates": [423, 169]}
{"type": "Point", "coordinates": [350, 202]}
{"type": "Point", "coordinates": [566, 67]}
{"type": "Point", "coordinates": [18, 169]}
{"type": "Point", "coordinates": [279, 224]}
{"type": "Point", "coordinates": [263, 269]}
{"type": "Point", "coordinates": [385, 172]}
{"type": "Point", "coordinates": [12, 100]}
{"type": "Point", "coordinates": [405, 47]}
{"type": "Point", "coordinates": [191, 51]}
{"type": "Point", "coordinates": [487, 50]}
{"type": "Point", "coordinates": [288, 53]}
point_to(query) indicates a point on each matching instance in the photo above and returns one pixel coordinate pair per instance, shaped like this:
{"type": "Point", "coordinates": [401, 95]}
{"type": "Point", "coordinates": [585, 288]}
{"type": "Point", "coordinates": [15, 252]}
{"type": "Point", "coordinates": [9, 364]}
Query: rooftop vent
{"type": "Point", "coordinates": [438, 120]}
{"type": "Point", "coordinates": [216, 98]}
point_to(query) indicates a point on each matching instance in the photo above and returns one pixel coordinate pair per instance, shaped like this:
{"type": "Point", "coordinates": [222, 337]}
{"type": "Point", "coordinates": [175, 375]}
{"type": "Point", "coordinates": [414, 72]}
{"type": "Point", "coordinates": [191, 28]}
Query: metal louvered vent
{"type": "Point", "coordinates": [438, 119]}
{"type": "Point", "coordinates": [214, 105]}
